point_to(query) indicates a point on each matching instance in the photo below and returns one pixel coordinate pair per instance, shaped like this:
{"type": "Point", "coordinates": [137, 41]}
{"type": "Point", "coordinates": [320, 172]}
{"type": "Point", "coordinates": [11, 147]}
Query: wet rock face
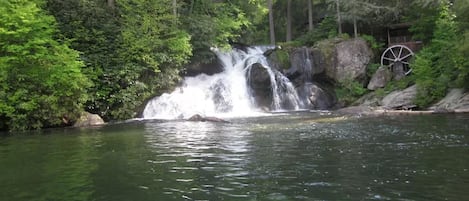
{"type": "Point", "coordinates": [304, 64]}
{"type": "Point", "coordinates": [317, 97]}
{"type": "Point", "coordinates": [260, 84]}
{"type": "Point", "coordinates": [212, 67]}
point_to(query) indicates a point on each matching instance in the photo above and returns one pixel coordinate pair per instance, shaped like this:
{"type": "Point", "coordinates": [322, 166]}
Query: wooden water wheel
{"type": "Point", "coordinates": [397, 59]}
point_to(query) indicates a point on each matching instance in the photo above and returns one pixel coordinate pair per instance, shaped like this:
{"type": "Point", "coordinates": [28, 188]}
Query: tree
{"type": "Point", "coordinates": [371, 12]}
{"type": "Point", "coordinates": [339, 20]}
{"type": "Point", "coordinates": [111, 3]}
{"type": "Point", "coordinates": [289, 21]}
{"type": "Point", "coordinates": [310, 15]}
{"type": "Point", "coordinates": [41, 83]}
{"type": "Point", "coordinates": [212, 24]}
{"type": "Point", "coordinates": [436, 66]}
{"type": "Point", "coordinates": [132, 51]}
{"type": "Point", "coordinates": [271, 22]}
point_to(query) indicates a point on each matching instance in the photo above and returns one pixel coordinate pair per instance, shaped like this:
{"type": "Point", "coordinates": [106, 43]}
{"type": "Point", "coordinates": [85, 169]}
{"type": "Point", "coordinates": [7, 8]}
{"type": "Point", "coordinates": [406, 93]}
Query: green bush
{"type": "Point", "coordinates": [326, 29]}
{"type": "Point", "coordinates": [349, 91]}
{"type": "Point", "coordinates": [41, 84]}
{"type": "Point", "coordinates": [435, 67]}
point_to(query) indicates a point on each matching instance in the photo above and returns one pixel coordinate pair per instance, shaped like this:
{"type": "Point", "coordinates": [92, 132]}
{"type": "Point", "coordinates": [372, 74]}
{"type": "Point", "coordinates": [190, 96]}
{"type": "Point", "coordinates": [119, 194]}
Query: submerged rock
{"type": "Point", "coordinates": [198, 117]}
{"type": "Point", "coordinates": [88, 119]}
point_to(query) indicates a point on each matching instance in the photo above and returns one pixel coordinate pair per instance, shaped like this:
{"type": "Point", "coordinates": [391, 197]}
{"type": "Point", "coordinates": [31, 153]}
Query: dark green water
{"type": "Point", "coordinates": [289, 157]}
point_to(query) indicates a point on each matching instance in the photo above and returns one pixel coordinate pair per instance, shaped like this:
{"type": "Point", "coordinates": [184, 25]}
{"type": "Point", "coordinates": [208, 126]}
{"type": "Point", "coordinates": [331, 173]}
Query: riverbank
{"type": "Point", "coordinates": [365, 110]}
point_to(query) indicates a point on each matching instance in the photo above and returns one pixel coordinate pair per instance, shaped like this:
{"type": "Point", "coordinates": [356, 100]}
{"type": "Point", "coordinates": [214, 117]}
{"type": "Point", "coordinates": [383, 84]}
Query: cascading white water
{"type": "Point", "coordinates": [225, 94]}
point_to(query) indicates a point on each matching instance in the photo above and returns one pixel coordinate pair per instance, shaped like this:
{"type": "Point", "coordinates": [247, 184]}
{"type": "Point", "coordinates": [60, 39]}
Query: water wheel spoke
{"type": "Point", "coordinates": [408, 72]}
{"type": "Point", "coordinates": [392, 52]}
{"type": "Point", "coordinates": [389, 59]}
{"type": "Point", "coordinates": [400, 52]}
{"type": "Point", "coordinates": [406, 56]}
{"type": "Point", "coordinates": [396, 53]}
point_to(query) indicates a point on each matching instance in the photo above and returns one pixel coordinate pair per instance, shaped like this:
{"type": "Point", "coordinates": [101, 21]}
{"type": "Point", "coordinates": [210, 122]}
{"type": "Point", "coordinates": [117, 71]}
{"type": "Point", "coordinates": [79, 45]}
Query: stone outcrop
{"type": "Point", "coordinates": [456, 99]}
{"type": "Point", "coordinates": [88, 119]}
{"type": "Point", "coordinates": [403, 99]}
{"type": "Point", "coordinates": [369, 100]}
{"type": "Point", "coordinates": [345, 60]}
{"type": "Point", "coordinates": [381, 77]}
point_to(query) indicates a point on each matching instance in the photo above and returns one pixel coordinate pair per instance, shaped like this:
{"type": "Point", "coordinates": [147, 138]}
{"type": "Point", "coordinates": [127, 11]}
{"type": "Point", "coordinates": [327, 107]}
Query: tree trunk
{"type": "Point", "coordinates": [271, 23]}
{"type": "Point", "coordinates": [339, 21]}
{"type": "Point", "coordinates": [111, 3]}
{"type": "Point", "coordinates": [355, 28]}
{"type": "Point", "coordinates": [289, 34]}
{"type": "Point", "coordinates": [310, 15]}
{"type": "Point", "coordinates": [175, 8]}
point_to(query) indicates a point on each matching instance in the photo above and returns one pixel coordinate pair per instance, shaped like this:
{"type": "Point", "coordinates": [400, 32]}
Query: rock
{"type": "Point", "coordinates": [304, 64]}
{"type": "Point", "coordinates": [198, 117]}
{"type": "Point", "coordinates": [400, 99]}
{"type": "Point", "coordinates": [240, 46]}
{"type": "Point", "coordinates": [381, 77]}
{"type": "Point", "coordinates": [260, 84]}
{"type": "Point", "coordinates": [212, 67]}
{"type": "Point", "coordinates": [88, 119]}
{"type": "Point", "coordinates": [268, 52]}
{"type": "Point", "coordinates": [356, 110]}
{"type": "Point", "coordinates": [370, 100]}
{"type": "Point", "coordinates": [456, 99]}
{"type": "Point", "coordinates": [316, 97]}
{"type": "Point", "coordinates": [351, 60]}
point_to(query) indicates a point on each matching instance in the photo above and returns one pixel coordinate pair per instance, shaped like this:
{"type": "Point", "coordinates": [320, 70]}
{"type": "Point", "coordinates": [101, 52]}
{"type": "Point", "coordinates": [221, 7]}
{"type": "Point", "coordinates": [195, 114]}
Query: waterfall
{"type": "Point", "coordinates": [226, 94]}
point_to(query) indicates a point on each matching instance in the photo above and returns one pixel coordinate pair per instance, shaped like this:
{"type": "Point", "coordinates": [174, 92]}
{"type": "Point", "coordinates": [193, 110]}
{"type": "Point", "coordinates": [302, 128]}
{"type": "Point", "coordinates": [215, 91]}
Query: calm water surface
{"type": "Point", "coordinates": [304, 156]}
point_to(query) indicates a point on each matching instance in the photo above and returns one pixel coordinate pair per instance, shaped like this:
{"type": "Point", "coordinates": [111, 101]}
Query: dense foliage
{"type": "Point", "coordinates": [61, 57]}
{"type": "Point", "coordinates": [41, 83]}
{"type": "Point", "coordinates": [443, 60]}
{"type": "Point", "coordinates": [131, 50]}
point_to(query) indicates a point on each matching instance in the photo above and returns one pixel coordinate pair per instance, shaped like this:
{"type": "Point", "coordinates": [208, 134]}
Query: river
{"type": "Point", "coordinates": [294, 156]}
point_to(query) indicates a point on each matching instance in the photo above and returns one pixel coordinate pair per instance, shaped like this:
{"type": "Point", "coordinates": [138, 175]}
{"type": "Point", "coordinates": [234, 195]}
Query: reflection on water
{"type": "Point", "coordinates": [305, 156]}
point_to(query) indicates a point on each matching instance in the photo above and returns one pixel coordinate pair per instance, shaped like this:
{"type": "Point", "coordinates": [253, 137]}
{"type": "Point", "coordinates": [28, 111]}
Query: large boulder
{"type": "Point", "coordinates": [456, 99]}
{"type": "Point", "coordinates": [345, 60]}
{"type": "Point", "coordinates": [87, 119]}
{"type": "Point", "coordinates": [381, 77]}
{"type": "Point", "coordinates": [213, 66]}
{"type": "Point", "coordinates": [317, 97]}
{"type": "Point", "coordinates": [260, 84]}
{"type": "Point", "coordinates": [353, 57]}
{"type": "Point", "coordinates": [403, 99]}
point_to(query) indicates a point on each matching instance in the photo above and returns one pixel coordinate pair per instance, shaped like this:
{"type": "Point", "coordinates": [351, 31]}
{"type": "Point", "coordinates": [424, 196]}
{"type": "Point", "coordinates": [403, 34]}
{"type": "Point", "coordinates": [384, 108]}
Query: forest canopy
{"type": "Point", "coordinates": [59, 58]}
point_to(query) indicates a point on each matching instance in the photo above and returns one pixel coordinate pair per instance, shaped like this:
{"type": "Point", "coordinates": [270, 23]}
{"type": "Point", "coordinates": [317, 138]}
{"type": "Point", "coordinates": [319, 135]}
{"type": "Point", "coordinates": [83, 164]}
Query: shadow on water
{"type": "Point", "coordinates": [283, 156]}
